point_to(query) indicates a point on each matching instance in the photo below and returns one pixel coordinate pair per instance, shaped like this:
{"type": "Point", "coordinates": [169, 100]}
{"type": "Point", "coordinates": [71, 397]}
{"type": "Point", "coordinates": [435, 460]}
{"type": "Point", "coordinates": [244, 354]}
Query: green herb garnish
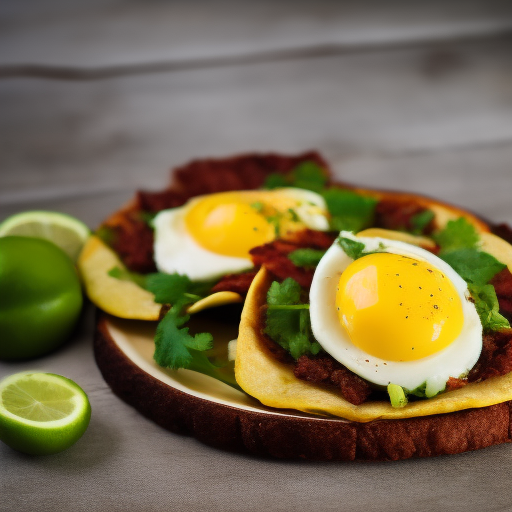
{"type": "Point", "coordinates": [126, 275]}
{"type": "Point", "coordinates": [288, 322]}
{"type": "Point", "coordinates": [420, 221]}
{"type": "Point", "coordinates": [488, 308]}
{"type": "Point", "coordinates": [349, 211]}
{"type": "Point", "coordinates": [176, 348]}
{"type": "Point", "coordinates": [167, 288]}
{"type": "Point", "coordinates": [307, 175]}
{"type": "Point", "coordinates": [306, 257]}
{"type": "Point", "coordinates": [457, 234]}
{"type": "Point", "coordinates": [472, 265]}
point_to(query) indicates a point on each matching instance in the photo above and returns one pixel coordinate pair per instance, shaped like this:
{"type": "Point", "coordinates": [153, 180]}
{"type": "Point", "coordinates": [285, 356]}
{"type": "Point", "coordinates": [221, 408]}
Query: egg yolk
{"type": "Point", "coordinates": [232, 223]}
{"type": "Point", "coordinates": [397, 308]}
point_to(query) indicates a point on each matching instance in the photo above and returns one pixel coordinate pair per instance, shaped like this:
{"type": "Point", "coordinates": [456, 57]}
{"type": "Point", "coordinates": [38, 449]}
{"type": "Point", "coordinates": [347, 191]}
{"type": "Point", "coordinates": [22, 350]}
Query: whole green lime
{"type": "Point", "coordinates": [40, 298]}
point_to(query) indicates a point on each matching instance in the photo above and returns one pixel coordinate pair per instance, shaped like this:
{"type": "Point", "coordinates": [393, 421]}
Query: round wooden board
{"type": "Point", "coordinates": [189, 403]}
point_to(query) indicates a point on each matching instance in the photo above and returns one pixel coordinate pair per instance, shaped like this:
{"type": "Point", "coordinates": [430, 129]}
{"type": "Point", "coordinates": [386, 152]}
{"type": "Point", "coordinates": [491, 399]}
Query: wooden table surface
{"type": "Point", "coordinates": [98, 99]}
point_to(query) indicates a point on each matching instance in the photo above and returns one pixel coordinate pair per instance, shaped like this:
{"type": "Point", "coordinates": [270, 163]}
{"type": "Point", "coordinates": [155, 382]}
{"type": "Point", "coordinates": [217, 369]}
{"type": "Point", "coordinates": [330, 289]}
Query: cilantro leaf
{"type": "Point", "coordinates": [487, 306]}
{"type": "Point", "coordinates": [420, 221]}
{"type": "Point", "coordinates": [457, 234]}
{"type": "Point", "coordinates": [307, 175]}
{"type": "Point", "coordinates": [472, 265]}
{"type": "Point", "coordinates": [276, 180]}
{"type": "Point", "coordinates": [310, 176]}
{"type": "Point", "coordinates": [173, 343]}
{"type": "Point", "coordinates": [125, 275]}
{"type": "Point", "coordinates": [288, 292]}
{"type": "Point", "coordinates": [167, 288]}
{"type": "Point", "coordinates": [291, 327]}
{"type": "Point", "coordinates": [106, 234]}
{"type": "Point", "coordinates": [306, 257]}
{"type": "Point", "coordinates": [352, 248]}
{"type": "Point", "coordinates": [173, 288]}
{"type": "Point", "coordinates": [349, 210]}
{"type": "Point", "coordinates": [176, 348]}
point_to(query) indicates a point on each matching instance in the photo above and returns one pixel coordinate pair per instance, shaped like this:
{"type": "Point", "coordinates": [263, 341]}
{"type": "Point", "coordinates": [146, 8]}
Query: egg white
{"type": "Point", "coordinates": [453, 361]}
{"type": "Point", "coordinates": [175, 249]}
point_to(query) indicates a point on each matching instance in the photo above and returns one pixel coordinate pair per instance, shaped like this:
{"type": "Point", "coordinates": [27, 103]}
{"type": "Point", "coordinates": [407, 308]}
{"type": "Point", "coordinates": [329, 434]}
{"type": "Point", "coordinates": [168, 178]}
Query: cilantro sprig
{"type": "Point", "coordinates": [459, 242]}
{"type": "Point", "coordinates": [306, 257]}
{"type": "Point", "coordinates": [307, 175]}
{"type": "Point", "coordinates": [176, 348]}
{"type": "Point", "coordinates": [420, 221]}
{"type": "Point", "coordinates": [167, 288]}
{"type": "Point", "coordinates": [288, 322]}
{"type": "Point", "coordinates": [457, 234]}
{"type": "Point", "coordinates": [348, 210]}
{"type": "Point", "coordinates": [487, 307]}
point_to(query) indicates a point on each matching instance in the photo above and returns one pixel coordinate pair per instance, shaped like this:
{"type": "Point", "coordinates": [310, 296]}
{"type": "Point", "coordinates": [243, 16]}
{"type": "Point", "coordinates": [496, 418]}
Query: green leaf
{"type": "Point", "coordinates": [352, 248]}
{"type": "Point", "coordinates": [173, 343]}
{"type": "Point", "coordinates": [458, 234]}
{"type": "Point", "coordinates": [487, 306]}
{"type": "Point", "coordinates": [173, 288]}
{"type": "Point", "coordinates": [287, 292]}
{"type": "Point", "coordinates": [472, 265]}
{"type": "Point", "coordinates": [106, 234]}
{"type": "Point", "coordinates": [307, 175]}
{"type": "Point", "coordinates": [349, 211]}
{"type": "Point", "coordinates": [306, 257]}
{"type": "Point", "coordinates": [126, 275]}
{"type": "Point", "coordinates": [288, 321]}
{"type": "Point", "coordinates": [310, 176]}
{"type": "Point", "coordinates": [176, 348]}
{"type": "Point", "coordinates": [275, 221]}
{"type": "Point", "coordinates": [147, 217]}
{"type": "Point", "coordinates": [202, 364]}
{"type": "Point", "coordinates": [421, 220]}
{"type": "Point", "coordinates": [397, 395]}
{"type": "Point", "coordinates": [276, 181]}
{"type": "Point", "coordinates": [168, 288]}
{"type": "Point", "coordinates": [258, 206]}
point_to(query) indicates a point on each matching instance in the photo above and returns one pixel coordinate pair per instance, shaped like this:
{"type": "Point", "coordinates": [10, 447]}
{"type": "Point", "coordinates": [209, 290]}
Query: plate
{"type": "Point", "coordinates": [186, 402]}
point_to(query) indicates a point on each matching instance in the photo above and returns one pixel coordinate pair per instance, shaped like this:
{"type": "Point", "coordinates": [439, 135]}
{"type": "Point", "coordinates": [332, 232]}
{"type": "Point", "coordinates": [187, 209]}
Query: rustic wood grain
{"type": "Point", "coordinates": [114, 33]}
{"type": "Point", "coordinates": [364, 112]}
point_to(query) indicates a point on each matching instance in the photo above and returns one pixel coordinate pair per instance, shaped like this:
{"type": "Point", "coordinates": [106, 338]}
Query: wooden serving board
{"type": "Point", "coordinates": [190, 403]}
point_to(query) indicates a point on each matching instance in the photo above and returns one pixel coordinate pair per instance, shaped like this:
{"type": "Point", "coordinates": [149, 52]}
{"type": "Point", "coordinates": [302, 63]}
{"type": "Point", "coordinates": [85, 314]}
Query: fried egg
{"type": "Point", "coordinates": [212, 235]}
{"type": "Point", "coordinates": [398, 315]}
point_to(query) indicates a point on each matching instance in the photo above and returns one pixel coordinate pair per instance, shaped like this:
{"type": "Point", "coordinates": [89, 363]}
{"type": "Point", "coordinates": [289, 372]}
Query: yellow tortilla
{"type": "Point", "coordinates": [123, 299]}
{"type": "Point", "coordinates": [126, 299]}
{"type": "Point", "coordinates": [273, 383]}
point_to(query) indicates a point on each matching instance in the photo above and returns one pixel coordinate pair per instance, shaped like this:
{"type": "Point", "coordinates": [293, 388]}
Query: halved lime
{"type": "Point", "coordinates": [42, 413]}
{"type": "Point", "coordinates": [63, 230]}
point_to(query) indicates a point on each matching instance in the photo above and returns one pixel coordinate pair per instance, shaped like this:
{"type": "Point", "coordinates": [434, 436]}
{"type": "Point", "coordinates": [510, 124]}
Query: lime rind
{"type": "Point", "coordinates": [65, 231]}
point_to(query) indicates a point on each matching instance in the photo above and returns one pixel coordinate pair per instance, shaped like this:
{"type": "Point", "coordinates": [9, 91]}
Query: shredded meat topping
{"type": "Point", "coordinates": [325, 370]}
{"type": "Point", "coordinates": [133, 242]}
{"type": "Point", "coordinates": [238, 283]}
{"type": "Point", "coordinates": [274, 255]}
{"type": "Point", "coordinates": [397, 215]}
{"type": "Point", "coordinates": [502, 283]}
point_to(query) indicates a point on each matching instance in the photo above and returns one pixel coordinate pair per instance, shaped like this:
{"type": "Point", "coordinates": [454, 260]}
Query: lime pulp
{"type": "Point", "coordinates": [42, 413]}
{"type": "Point", "coordinates": [68, 233]}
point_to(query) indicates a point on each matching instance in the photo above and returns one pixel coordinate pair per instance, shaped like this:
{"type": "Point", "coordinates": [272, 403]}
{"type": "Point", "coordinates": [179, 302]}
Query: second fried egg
{"type": "Point", "coordinates": [397, 315]}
